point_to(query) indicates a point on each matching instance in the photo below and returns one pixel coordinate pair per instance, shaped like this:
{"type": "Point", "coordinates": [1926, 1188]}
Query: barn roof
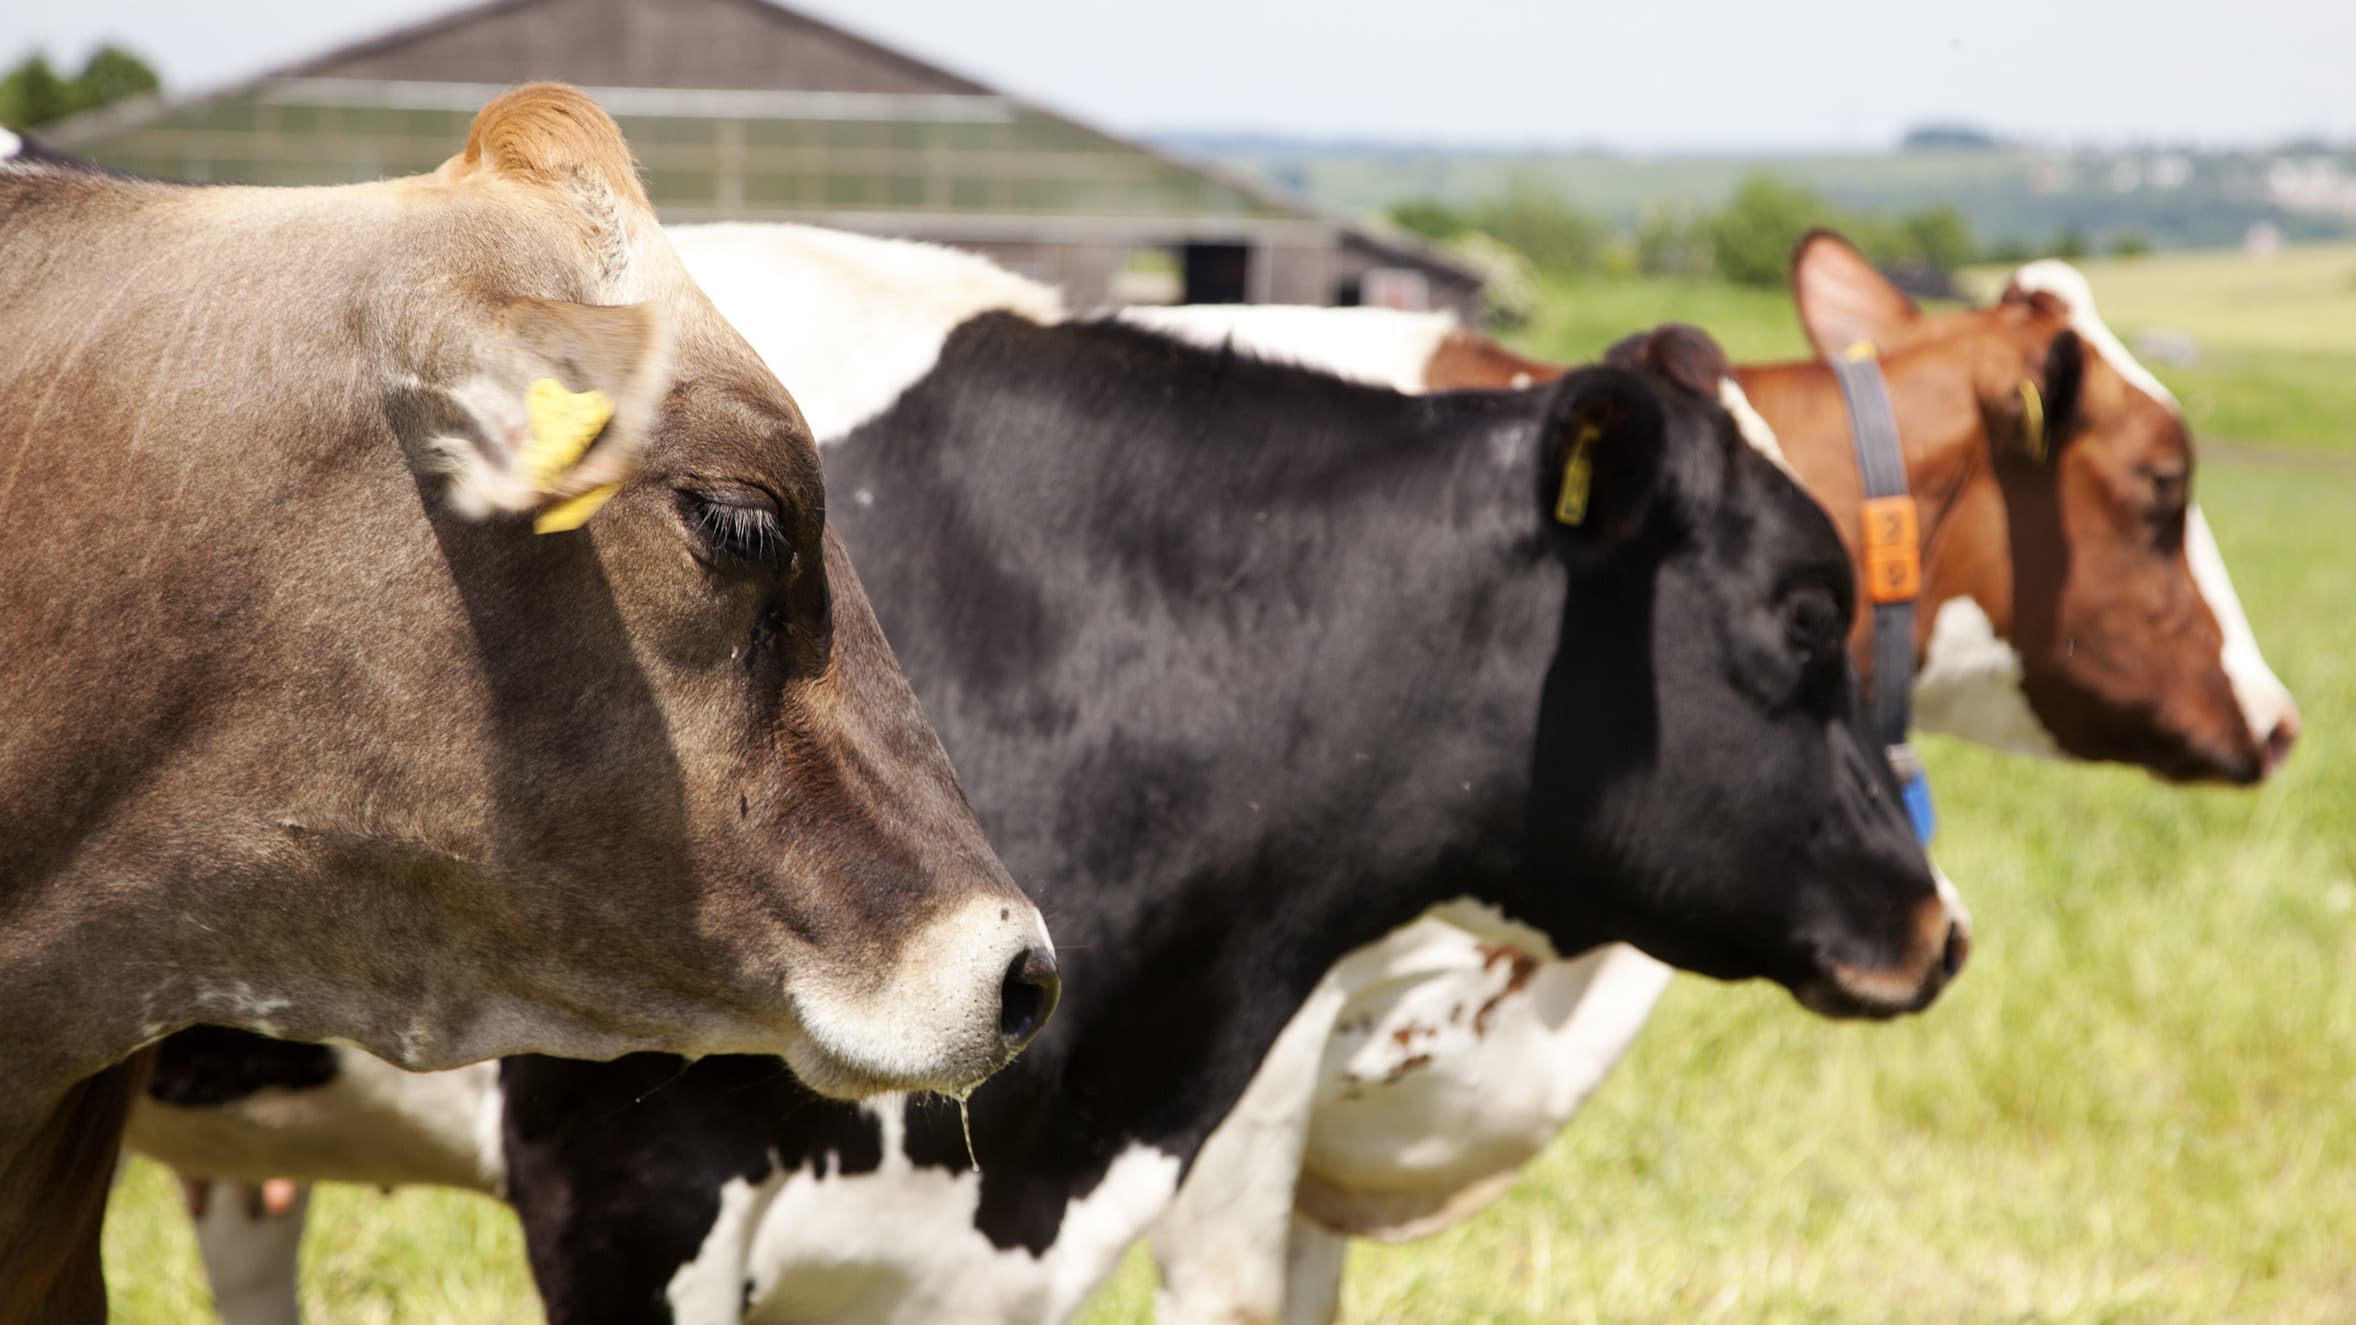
{"type": "Point", "coordinates": [736, 108]}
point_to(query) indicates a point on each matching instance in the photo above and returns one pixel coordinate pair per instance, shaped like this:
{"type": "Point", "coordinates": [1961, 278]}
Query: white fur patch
{"type": "Point", "coordinates": [240, 1004]}
{"type": "Point", "coordinates": [898, 1246]}
{"type": "Point", "coordinates": [848, 322]}
{"type": "Point", "coordinates": [2066, 283]}
{"type": "Point", "coordinates": [709, 1290]}
{"type": "Point", "coordinates": [1376, 346]}
{"type": "Point", "coordinates": [1438, 1088]}
{"type": "Point", "coordinates": [1970, 685]}
{"type": "Point", "coordinates": [2265, 701]}
{"type": "Point", "coordinates": [1752, 426]}
{"type": "Point", "coordinates": [10, 144]}
{"type": "Point", "coordinates": [373, 1123]}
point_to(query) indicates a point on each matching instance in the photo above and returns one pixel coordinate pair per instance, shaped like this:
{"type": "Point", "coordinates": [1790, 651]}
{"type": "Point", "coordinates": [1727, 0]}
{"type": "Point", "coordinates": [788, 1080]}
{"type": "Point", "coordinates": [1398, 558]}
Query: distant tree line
{"type": "Point", "coordinates": [1747, 241]}
{"type": "Point", "coordinates": [34, 93]}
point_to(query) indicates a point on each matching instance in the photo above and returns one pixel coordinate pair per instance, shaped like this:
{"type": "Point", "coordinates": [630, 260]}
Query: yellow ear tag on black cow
{"type": "Point", "coordinates": [2033, 420]}
{"type": "Point", "coordinates": [564, 423]}
{"type": "Point", "coordinates": [1578, 478]}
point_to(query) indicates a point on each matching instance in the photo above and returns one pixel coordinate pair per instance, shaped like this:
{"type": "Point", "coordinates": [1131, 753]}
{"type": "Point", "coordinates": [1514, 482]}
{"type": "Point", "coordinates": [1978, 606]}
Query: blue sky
{"type": "Point", "coordinates": [1662, 76]}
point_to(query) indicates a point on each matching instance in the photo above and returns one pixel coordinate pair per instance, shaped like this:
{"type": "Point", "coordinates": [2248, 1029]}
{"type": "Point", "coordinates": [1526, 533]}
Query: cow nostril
{"type": "Point", "coordinates": [1027, 996]}
{"type": "Point", "coordinates": [2279, 743]}
{"type": "Point", "coordinates": [1957, 951]}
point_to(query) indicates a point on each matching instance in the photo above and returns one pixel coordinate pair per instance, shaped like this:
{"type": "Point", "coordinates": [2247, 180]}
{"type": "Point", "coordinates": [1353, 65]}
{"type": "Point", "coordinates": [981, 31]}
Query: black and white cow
{"type": "Point", "coordinates": [1248, 666]}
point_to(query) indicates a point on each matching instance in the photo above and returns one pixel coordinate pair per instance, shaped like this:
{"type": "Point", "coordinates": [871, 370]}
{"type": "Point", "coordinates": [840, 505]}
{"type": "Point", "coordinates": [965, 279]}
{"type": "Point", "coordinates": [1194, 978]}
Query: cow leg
{"type": "Point", "coordinates": [1313, 1275]}
{"type": "Point", "coordinates": [54, 1182]}
{"type": "Point", "coordinates": [251, 1254]}
{"type": "Point", "coordinates": [1224, 1242]}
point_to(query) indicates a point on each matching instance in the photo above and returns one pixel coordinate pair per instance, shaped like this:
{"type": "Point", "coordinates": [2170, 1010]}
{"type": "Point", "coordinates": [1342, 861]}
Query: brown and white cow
{"type": "Point", "coordinates": [303, 729]}
{"type": "Point", "coordinates": [2075, 606]}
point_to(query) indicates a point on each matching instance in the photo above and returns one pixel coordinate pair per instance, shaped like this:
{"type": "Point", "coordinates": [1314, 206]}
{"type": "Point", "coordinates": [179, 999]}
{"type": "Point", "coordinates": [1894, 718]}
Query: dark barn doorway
{"type": "Point", "coordinates": [1217, 273]}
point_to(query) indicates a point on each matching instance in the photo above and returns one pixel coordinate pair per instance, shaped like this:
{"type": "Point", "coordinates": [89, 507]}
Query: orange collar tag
{"type": "Point", "coordinates": [1893, 549]}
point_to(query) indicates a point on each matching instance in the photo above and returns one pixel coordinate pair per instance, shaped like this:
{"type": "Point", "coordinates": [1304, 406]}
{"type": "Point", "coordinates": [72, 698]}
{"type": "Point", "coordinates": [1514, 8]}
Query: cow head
{"type": "Point", "coordinates": [1743, 818]}
{"type": "Point", "coordinates": [838, 884]}
{"type": "Point", "coordinates": [558, 712]}
{"type": "Point", "coordinates": [2076, 600]}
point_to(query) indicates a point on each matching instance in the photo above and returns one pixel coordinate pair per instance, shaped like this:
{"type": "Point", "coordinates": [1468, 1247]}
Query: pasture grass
{"type": "Point", "coordinates": [2136, 1106]}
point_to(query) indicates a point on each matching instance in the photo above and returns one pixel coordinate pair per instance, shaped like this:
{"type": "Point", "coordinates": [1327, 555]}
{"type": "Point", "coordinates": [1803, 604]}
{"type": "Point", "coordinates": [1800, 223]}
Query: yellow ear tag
{"type": "Point", "coordinates": [1578, 477]}
{"type": "Point", "coordinates": [573, 512]}
{"type": "Point", "coordinates": [564, 423]}
{"type": "Point", "coordinates": [2033, 419]}
{"type": "Point", "coordinates": [1859, 352]}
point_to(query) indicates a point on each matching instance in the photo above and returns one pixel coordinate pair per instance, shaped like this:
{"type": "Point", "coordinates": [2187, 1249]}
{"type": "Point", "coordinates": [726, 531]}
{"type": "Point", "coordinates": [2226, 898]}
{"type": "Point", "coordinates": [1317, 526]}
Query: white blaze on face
{"type": "Point", "coordinates": [2265, 702]}
{"type": "Point", "coordinates": [1376, 346]}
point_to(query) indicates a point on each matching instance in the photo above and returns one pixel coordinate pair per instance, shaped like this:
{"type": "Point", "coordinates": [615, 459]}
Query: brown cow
{"type": "Point", "coordinates": [2074, 600]}
{"type": "Point", "coordinates": [303, 730]}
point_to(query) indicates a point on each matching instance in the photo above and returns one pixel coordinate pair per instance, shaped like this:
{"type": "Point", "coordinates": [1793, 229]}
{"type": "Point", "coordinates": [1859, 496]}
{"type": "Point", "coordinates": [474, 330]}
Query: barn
{"type": "Point", "coordinates": [745, 110]}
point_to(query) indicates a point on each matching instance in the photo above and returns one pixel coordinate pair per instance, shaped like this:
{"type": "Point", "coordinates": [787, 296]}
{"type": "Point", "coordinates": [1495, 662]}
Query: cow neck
{"type": "Point", "coordinates": [1891, 584]}
{"type": "Point", "coordinates": [1940, 447]}
{"type": "Point", "coordinates": [1317, 620]}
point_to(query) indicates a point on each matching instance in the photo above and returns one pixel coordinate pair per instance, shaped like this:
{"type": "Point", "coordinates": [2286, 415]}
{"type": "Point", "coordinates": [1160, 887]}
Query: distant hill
{"type": "Point", "coordinates": [2172, 197]}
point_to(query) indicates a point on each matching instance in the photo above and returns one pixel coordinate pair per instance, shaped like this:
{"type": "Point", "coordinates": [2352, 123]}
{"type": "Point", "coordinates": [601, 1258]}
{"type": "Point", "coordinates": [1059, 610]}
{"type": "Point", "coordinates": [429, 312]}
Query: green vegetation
{"type": "Point", "coordinates": [2134, 1107]}
{"type": "Point", "coordinates": [1747, 241]}
{"type": "Point", "coordinates": [33, 94]}
{"type": "Point", "coordinates": [2177, 197]}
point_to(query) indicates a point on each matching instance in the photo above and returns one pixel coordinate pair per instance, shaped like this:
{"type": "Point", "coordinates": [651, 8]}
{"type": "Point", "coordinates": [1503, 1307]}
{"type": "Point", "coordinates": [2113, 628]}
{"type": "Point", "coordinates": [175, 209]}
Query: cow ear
{"type": "Point", "coordinates": [2047, 402]}
{"type": "Point", "coordinates": [553, 409]}
{"type": "Point", "coordinates": [1685, 354]}
{"type": "Point", "coordinates": [1844, 299]}
{"type": "Point", "coordinates": [1600, 461]}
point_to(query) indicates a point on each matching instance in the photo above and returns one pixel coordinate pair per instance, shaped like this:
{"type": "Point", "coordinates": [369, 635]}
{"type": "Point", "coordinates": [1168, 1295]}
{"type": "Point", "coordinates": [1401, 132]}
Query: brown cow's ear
{"type": "Point", "coordinates": [1842, 298]}
{"type": "Point", "coordinates": [1686, 355]}
{"type": "Point", "coordinates": [2048, 401]}
{"type": "Point", "coordinates": [556, 410]}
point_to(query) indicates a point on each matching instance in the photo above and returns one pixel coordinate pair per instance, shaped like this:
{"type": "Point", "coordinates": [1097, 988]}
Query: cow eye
{"type": "Point", "coordinates": [2169, 494]}
{"type": "Point", "coordinates": [2170, 489]}
{"type": "Point", "coordinates": [1812, 624]}
{"type": "Point", "coordinates": [740, 527]}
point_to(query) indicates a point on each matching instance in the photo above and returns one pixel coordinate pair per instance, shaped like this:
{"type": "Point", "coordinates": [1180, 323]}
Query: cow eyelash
{"type": "Point", "coordinates": [741, 532]}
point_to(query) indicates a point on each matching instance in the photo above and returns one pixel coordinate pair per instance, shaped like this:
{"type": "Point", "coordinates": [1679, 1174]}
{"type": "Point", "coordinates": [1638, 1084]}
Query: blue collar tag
{"type": "Point", "coordinates": [1914, 788]}
{"type": "Point", "coordinates": [1917, 792]}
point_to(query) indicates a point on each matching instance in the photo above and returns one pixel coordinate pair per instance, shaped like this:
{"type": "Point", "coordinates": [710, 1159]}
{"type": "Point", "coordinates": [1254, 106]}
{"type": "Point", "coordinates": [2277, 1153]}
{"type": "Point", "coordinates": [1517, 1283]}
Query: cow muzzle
{"type": "Point", "coordinates": [1932, 953]}
{"type": "Point", "coordinates": [959, 996]}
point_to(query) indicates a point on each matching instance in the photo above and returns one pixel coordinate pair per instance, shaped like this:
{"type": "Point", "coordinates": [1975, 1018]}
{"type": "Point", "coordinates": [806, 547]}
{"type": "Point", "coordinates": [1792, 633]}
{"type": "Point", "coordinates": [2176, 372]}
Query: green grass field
{"type": "Point", "coordinates": [2136, 1106]}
